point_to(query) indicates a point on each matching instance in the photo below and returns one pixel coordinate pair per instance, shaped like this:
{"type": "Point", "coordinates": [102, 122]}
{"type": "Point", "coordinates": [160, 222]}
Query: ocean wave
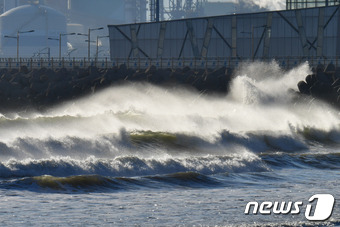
{"type": "Point", "coordinates": [73, 182]}
{"type": "Point", "coordinates": [149, 143]}
{"type": "Point", "coordinates": [263, 141]}
{"type": "Point", "coordinates": [131, 166]}
{"type": "Point", "coordinates": [331, 136]}
{"type": "Point", "coordinates": [149, 148]}
{"type": "Point", "coordinates": [259, 100]}
{"type": "Point", "coordinates": [99, 183]}
{"type": "Point", "coordinates": [135, 166]}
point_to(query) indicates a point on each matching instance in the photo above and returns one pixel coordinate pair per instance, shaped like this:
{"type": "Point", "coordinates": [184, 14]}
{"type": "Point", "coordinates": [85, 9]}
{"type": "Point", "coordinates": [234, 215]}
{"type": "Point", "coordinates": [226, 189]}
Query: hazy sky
{"type": "Point", "coordinates": [268, 4]}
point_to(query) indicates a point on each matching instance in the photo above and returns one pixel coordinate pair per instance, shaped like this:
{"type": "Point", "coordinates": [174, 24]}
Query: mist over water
{"type": "Point", "coordinates": [139, 129]}
{"type": "Point", "coordinates": [259, 91]}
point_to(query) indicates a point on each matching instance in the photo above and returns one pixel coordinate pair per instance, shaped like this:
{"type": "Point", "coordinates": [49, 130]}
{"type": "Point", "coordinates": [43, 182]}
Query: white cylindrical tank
{"type": "Point", "coordinates": [46, 23]}
{"type": "Point", "coordinates": [10, 4]}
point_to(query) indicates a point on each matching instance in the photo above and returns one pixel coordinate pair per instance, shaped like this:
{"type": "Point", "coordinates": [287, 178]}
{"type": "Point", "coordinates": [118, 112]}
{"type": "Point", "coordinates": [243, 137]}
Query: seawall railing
{"type": "Point", "coordinates": [143, 63]}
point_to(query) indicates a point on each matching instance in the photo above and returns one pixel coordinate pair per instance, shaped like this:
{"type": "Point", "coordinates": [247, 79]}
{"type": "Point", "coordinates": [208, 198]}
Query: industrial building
{"type": "Point", "coordinates": [82, 15]}
{"type": "Point", "coordinates": [31, 26]}
{"type": "Point", "coordinates": [307, 33]}
{"type": "Point", "coordinates": [186, 29]}
{"type": "Point", "coordinates": [50, 18]}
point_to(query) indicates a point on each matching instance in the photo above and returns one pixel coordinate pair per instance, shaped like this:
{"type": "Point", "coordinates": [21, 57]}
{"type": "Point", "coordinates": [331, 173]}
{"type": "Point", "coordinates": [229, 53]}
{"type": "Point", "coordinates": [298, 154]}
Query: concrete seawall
{"type": "Point", "coordinates": [21, 89]}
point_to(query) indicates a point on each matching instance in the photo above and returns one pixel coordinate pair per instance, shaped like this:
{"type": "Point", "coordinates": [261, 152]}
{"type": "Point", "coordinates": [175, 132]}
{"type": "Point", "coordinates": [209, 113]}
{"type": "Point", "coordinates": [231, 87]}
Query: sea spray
{"type": "Point", "coordinates": [144, 125]}
{"type": "Point", "coordinates": [138, 153]}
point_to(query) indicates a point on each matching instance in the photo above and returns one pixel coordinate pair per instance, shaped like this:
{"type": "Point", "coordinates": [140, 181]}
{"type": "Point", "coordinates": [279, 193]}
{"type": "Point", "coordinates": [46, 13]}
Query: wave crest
{"type": "Point", "coordinates": [131, 166]}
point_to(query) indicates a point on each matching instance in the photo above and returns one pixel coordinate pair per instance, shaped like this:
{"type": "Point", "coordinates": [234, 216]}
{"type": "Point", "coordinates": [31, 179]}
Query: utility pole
{"type": "Point", "coordinates": [89, 41]}
{"type": "Point", "coordinates": [17, 37]}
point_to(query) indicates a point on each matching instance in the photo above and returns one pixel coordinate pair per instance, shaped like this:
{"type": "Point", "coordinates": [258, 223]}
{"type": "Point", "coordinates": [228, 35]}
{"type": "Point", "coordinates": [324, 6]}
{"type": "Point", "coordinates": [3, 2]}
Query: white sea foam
{"type": "Point", "coordinates": [260, 107]}
{"type": "Point", "coordinates": [131, 165]}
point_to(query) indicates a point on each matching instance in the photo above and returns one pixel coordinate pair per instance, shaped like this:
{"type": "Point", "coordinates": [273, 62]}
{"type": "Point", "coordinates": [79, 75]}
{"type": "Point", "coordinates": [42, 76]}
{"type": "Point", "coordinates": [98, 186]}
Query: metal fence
{"type": "Point", "coordinates": [143, 63]}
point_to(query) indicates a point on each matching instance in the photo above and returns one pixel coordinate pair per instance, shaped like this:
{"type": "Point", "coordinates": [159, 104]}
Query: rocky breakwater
{"type": "Point", "coordinates": [21, 89]}
{"type": "Point", "coordinates": [323, 83]}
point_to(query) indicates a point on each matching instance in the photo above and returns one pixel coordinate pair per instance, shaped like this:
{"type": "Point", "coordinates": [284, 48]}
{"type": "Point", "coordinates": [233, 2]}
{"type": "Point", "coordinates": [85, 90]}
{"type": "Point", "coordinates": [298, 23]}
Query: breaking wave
{"type": "Point", "coordinates": [140, 133]}
{"type": "Point", "coordinates": [130, 166]}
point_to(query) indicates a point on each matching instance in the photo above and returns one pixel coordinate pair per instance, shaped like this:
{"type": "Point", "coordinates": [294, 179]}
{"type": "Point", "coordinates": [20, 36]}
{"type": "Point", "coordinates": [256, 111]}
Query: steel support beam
{"type": "Point", "coordinates": [134, 42]}
{"type": "Point", "coordinates": [192, 38]}
{"type": "Point", "coordinates": [160, 46]}
{"type": "Point", "coordinates": [295, 29]}
{"type": "Point", "coordinates": [234, 37]}
{"type": "Point", "coordinates": [331, 17]}
{"type": "Point", "coordinates": [207, 37]}
{"type": "Point", "coordinates": [221, 36]}
{"type": "Point", "coordinates": [183, 44]}
{"type": "Point", "coordinates": [259, 43]}
{"type": "Point", "coordinates": [319, 49]}
{"type": "Point", "coordinates": [338, 35]}
{"type": "Point", "coordinates": [129, 39]}
{"type": "Point", "coordinates": [302, 32]}
{"type": "Point", "coordinates": [268, 31]}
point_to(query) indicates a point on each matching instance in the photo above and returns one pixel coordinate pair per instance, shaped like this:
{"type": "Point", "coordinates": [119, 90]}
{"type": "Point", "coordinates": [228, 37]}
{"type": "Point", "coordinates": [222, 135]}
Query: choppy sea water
{"type": "Point", "coordinates": [137, 154]}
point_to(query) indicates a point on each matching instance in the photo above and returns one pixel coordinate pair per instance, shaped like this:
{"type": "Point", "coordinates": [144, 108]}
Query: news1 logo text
{"type": "Point", "coordinates": [319, 211]}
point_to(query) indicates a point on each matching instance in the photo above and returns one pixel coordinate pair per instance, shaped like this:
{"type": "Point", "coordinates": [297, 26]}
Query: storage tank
{"type": "Point", "coordinates": [46, 23]}
{"type": "Point", "coordinates": [10, 4]}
